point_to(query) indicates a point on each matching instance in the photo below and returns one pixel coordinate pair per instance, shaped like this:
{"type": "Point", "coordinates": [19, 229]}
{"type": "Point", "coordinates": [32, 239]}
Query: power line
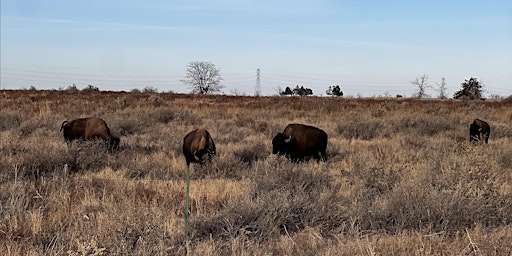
{"type": "Point", "coordinates": [239, 79]}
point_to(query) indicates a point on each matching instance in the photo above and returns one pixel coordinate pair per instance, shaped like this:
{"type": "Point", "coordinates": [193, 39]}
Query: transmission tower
{"type": "Point", "coordinates": [258, 84]}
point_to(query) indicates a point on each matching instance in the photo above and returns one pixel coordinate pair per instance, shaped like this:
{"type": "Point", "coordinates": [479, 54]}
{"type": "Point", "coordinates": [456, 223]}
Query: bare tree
{"type": "Point", "coordinates": [203, 77]}
{"type": "Point", "coordinates": [422, 84]}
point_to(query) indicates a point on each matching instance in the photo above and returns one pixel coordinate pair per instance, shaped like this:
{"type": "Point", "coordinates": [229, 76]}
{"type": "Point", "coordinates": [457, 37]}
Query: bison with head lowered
{"type": "Point", "coordinates": [479, 129]}
{"type": "Point", "coordinates": [300, 142]}
{"type": "Point", "coordinates": [198, 146]}
{"type": "Point", "coordinates": [88, 128]}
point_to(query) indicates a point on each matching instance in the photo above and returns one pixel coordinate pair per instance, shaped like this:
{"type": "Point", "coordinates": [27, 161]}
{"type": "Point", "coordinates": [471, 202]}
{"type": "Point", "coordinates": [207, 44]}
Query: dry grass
{"type": "Point", "coordinates": [401, 178]}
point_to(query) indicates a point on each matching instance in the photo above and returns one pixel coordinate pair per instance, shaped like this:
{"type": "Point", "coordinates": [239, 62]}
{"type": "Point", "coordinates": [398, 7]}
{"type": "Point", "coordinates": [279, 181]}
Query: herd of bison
{"type": "Point", "coordinates": [297, 142]}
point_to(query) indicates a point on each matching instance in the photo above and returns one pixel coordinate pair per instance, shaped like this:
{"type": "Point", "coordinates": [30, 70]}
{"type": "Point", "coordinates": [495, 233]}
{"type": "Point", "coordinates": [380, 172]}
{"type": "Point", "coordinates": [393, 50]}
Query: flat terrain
{"type": "Point", "coordinates": [401, 177]}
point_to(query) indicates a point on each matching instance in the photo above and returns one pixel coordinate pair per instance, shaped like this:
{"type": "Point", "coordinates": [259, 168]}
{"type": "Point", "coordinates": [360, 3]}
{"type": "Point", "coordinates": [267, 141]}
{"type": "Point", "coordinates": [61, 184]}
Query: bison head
{"type": "Point", "coordinates": [474, 132]}
{"type": "Point", "coordinates": [203, 155]}
{"type": "Point", "coordinates": [281, 144]}
{"type": "Point", "coordinates": [114, 143]}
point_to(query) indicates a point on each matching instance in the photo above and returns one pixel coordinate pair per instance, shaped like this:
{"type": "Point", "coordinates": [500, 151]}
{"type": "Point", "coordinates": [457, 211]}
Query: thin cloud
{"type": "Point", "coordinates": [36, 20]}
{"type": "Point", "coordinates": [102, 26]}
{"type": "Point", "coordinates": [65, 24]}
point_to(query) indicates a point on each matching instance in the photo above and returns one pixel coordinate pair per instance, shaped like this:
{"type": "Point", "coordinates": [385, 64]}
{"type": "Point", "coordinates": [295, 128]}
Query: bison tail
{"type": "Point", "coordinates": [62, 125]}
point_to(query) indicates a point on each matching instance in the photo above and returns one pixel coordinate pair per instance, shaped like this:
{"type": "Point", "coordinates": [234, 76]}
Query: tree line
{"type": "Point", "coordinates": [204, 78]}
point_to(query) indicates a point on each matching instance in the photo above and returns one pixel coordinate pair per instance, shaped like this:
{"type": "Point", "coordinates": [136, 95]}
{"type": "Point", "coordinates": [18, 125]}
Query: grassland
{"type": "Point", "coordinates": [401, 177]}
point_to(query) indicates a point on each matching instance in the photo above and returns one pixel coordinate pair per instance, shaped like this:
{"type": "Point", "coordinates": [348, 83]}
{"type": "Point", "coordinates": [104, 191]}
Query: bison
{"type": "Point", "coordinates": [479, 129]}
{"type": "Point", "coordinates": [89, 128]}
{"type": "Point", "coordinates": [197, 146]}
{"type": "Point", "coordinates": [299, 141]}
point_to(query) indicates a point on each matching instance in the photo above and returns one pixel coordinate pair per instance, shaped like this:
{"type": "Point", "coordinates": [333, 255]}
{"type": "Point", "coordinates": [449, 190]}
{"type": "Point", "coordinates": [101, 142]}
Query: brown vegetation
{"type": "Point", "coordinates": [401, 177]}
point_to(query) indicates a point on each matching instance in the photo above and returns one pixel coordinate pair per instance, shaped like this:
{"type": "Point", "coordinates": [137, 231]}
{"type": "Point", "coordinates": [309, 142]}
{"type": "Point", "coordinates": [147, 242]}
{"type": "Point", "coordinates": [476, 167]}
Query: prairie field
{"type": "Point", "coordinates": [401, 177]}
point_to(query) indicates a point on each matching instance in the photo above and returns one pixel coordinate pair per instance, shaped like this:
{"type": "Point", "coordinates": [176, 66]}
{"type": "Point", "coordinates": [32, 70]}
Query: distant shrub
{"type": "Point", "coordinates": [72, 88]}
{"type": "Point", "coordinates": [186, 117]}
{"type": "Point", "coordinates": [163, 115]}
{"type": "Point", "coordinates": [154, 100]}
{"type": "Point", "coordinates": [149, 89]}
{"type": "Point", "coordinates": [128, 101]}
{"type": "Point", "coordinates": [90, 88]}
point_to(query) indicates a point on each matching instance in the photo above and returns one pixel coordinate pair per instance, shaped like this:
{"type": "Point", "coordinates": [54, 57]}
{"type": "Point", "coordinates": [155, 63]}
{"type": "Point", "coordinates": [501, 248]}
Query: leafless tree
{"type": "Point", "coordinates": [422, 84]}
{"type": "Point", "coordinates": [203, 77]}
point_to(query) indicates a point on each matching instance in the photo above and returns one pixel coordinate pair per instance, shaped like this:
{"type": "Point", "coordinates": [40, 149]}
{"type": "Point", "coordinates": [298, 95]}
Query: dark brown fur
{"type": "Point", "coordinates": [299, 141]}
{"type": "Point", "coordinates": [479, 129]}
{"type": "Point", "coordinates": [89, 128]}
{"type": "Point", "coordinates": [197, 145]}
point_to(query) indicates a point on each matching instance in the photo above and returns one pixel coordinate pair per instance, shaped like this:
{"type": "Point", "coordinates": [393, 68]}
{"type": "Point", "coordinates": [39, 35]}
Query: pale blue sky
{"type": "Point", "coordinates": [367, 47]}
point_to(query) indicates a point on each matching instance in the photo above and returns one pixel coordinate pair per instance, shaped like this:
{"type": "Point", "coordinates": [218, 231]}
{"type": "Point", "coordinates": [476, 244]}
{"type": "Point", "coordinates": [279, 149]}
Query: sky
{"type": "Point", "coordinates": [369, 48]}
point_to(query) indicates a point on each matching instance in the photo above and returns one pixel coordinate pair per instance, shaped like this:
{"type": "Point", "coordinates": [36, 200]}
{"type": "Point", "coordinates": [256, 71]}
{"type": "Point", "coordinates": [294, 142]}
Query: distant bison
{"type": "Point", "coordinates": [197, 146]}
{"type": "Point", "coordinates": [299, 141]}
{"type": "Point", "coordinates": [89, 128]}
{"type": "Point", "coordinates": [479, 129]}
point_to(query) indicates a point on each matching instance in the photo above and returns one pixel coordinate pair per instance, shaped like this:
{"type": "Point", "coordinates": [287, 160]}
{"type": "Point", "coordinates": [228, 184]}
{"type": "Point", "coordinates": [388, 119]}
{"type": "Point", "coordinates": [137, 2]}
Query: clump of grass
{"type": "Point", "coordinates": [39, 161]}
{"type": "Point", "coordinates": [152, 166]}
{"type": "Point", "coordinates": [129, 125]}
{"type": "Point", "coordinates": [9, 120]}
{"type": "Point", "coordinates": [364, 130]}
{"type": "Point", "coordinates": [426, 126]}
{"type": "Point", "coordinates": [252, 153]}
{"type": "Point", "coordinates": [163, 115]}
{"type": "Point", "coordinates": [90, 156]}
{"type": "Point", "coordinates": [505, 158]}
{"type": "Point", "coordinates": [127, 101]}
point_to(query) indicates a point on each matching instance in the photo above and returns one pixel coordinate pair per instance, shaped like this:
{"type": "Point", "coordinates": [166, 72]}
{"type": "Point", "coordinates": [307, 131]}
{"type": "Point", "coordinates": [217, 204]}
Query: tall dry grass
{"type": "Point", "coordinates": [401, 178]}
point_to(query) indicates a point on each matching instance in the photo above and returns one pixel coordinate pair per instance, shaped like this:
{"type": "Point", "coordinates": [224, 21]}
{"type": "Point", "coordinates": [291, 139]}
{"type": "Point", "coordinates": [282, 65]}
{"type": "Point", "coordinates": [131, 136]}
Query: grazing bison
{"type": "Point", "coordinates": [479, 129]}
{"type": "Point", "coordinates": [299, 141]}
{"type": "Point", "coordinates": [197, 146]}
{"type": "Point", "coordinates": [89, 128]}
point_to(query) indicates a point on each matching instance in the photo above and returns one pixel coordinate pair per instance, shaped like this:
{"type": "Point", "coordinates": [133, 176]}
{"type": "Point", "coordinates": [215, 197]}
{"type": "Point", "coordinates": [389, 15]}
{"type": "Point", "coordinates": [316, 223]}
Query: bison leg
{"type": "Point", "coordinates": [486, 137]}
{"type": "Point", "coordinates": [324, 156]}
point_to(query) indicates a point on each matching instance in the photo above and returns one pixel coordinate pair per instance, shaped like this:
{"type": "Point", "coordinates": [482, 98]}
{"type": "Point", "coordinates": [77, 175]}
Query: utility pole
{"type": "Point", "coordinates": [258, 84]}
{"type": "Point", "coordinates": [442, 89]}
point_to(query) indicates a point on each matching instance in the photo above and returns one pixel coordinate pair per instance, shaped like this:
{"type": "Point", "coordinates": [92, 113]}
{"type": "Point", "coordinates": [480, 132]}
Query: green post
{"type": "Point", "coordinates": [187, 212]}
